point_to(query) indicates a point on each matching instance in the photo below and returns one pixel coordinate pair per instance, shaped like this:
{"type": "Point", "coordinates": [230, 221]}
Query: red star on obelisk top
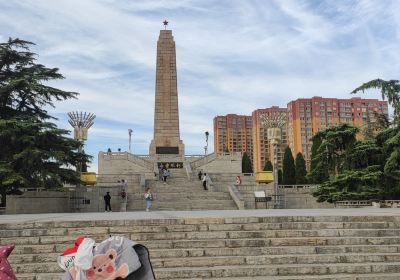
{"type": "Point", "coordinates": [165, 22]}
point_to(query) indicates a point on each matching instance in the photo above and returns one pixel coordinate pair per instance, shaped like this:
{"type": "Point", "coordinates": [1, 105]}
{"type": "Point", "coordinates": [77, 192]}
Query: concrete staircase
{"type": "Point", "coordinates": [181, 194]}
{"type": "Point", "coordinates": [238, 248]}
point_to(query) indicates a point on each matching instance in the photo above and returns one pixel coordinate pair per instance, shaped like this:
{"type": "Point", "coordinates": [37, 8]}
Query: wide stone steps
{"type": "Point", "coordinates": [183, 205]}
{"type": "Point", "coordinates": [329, 247]}
{"type": "Point", "coordinates": [211, 262]}
{"type": "Point", "coordinates": [50, 252]}
{"type": "Point", "coordinates": [170, 187]}
{"type": "Point", "coordinates": [373, 276]}
{"type": "Point", "coordinates": [288, 229]}
{"type": "Point", "coordinates": [370, 276]}
{"type": "Point", "coordinates": [235, 243]}
{"type": "Point", "coordinates": [185, 195]}
{"type": "Point", "coordinates": [275, 260]}
{"type": "Point", "coordinates": [172, 257]}
{"type": "Point", "coordinates": [275, 270]}
{"type": "Point", "coordinates": [278, 237]}
{"type": "Point", "coordinates": [196, 207]}
{"type": "Point", "coordinates": [181, 194]}
{"type": "Point", "coordinates": [273, 223]}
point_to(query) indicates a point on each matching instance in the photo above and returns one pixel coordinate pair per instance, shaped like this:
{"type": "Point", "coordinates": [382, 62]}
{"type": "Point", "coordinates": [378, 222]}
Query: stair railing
{"type": "Point", "coordinates": [236, 196]}
{"type": "Point", "coordinates": [188, 169]}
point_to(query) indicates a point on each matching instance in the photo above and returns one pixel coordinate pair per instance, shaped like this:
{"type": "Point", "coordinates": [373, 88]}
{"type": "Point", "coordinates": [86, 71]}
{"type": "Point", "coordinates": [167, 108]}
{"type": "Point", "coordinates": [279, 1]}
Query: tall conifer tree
{"type": "Point", "coordinates": [301, 170]}
{"type": "Point", "coordinates": [289, 172]}
{"type": "Point", "coordinates": [246, 164]}
{"type": "Point", "coordinates": [268, 166]}
{"type": "Point", "coordinates": [33, 151]}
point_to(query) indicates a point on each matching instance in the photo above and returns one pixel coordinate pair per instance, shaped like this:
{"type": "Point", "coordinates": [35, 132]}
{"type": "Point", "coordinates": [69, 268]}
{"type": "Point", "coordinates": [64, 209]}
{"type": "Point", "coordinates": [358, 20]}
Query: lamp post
{"type": "Point", "coordinates": [130, 138]}
{"type": "Point", "coordinates": [274, 123]}
{"type": "Point", "coordinates": [81, 122]}
{"type": "Point", "coordinates": [206, 146]}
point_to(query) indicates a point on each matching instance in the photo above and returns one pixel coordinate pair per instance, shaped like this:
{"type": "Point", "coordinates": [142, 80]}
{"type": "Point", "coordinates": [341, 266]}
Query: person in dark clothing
{"type": "Point", "coordinates": [107, 201]}
{"type": "Point", "coordinates": [200, 175]}
{"type": "Point", "coordinates": [205, 179]}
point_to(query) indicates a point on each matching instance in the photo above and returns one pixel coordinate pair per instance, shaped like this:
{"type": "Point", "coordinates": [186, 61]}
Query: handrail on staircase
{"type": "Point", "coordinates": [188, 169]}
{"type": "Point", "coordinates": [236, 196]}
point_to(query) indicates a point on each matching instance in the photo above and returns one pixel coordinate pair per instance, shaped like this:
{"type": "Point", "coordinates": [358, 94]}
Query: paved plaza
{"type": "Point", "coordinates": [23, 218]}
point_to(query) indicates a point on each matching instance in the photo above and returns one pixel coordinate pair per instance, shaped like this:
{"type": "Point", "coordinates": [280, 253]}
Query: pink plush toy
{"type": "Point", "coordinates": [6, 272]}
{"type": "Point", "coordinates": [103, 267]}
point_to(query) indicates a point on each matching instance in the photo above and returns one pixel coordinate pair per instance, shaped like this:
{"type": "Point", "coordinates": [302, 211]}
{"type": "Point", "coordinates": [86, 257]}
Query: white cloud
{"type": "Point", "coordinates": [232, 56]}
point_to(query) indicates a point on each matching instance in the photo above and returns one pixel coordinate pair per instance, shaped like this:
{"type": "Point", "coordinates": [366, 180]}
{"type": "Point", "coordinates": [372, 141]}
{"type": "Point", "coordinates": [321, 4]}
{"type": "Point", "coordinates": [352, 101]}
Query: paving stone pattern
{"type": "Point", "coordinates": [269, 247]}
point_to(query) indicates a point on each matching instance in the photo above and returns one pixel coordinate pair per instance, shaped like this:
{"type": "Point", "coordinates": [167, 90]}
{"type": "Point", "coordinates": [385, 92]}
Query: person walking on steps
{"type": "Point", "coordinates": [107, 201]}
{"type": "Point", "coordinates": [205, 177]}
{"type": "Point", "coordinates": [148, 196]}
{"type": "Point", "coordinates": [160, 172]}
{"type": "Point", "coordinates": [165, 175]}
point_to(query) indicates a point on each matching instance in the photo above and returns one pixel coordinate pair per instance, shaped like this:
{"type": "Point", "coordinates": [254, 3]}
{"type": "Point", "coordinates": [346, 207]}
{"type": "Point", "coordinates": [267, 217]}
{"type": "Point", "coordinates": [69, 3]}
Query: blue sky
{"type": "Point", "coordinates": [232, 57]}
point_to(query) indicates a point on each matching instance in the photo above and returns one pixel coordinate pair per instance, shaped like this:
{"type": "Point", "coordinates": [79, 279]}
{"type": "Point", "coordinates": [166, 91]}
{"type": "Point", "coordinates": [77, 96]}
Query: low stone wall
{"type": "Point", "coordinates": [38, 202]}
{"type": "Point", "coordinates": [86, 199]}
{"type": "Point", "coordinates": [247, 190]}
{"type": "Point", "coordinates": [91, 199]}
{"type": "Point", "coordinates": [293, 197]}
{"type": "Point", "coordinates": [302, 198]}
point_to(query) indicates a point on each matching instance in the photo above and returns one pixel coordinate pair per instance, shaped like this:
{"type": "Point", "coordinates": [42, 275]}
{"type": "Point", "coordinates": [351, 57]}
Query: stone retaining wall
{"type": "Point", "coordinates": [38, 202]}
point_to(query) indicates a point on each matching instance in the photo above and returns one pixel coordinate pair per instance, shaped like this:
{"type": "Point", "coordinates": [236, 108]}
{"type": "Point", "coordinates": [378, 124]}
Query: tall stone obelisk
{"type": "Point", "coordinates": [166, 139]}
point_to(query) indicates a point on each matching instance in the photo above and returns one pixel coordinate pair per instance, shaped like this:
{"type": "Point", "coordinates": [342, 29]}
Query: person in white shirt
{"type": "Point", "coordinates": [148, 196]}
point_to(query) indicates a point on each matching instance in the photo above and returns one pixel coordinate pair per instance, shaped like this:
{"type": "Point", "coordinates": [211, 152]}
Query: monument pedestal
{"type": "Point", "coordinates": [161, 149]}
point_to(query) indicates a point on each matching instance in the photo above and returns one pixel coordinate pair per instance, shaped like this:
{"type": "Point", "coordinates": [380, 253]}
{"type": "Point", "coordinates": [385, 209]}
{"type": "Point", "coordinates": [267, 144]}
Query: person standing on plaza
{"type": "Point", "coordinates": [200, 175]}
{"type": "Point", "coordinates": [205, 178]}
{"type": "Point", "coordinates": [148, 196]}
{"type": "Point", "coordinates": [107, 201]}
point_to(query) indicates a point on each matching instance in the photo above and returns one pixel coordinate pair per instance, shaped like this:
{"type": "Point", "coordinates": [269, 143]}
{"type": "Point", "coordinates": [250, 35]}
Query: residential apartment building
{"type": "Point", "coordinates": [307, 116]}
{"type": "Point", "coordinates": [262, 149]}
{"type": "Point", "coordinates": [238, 133]}
{"type": "Point", "coordinates": [233, 133]}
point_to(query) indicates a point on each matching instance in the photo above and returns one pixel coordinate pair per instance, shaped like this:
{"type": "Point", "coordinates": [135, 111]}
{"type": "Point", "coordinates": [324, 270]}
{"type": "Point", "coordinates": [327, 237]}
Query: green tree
{"type": "Point", "coordinates": [268, 166]}
{"type": "Point", "coordinates": [316, 143]}
{"type": "Point", "coordinates": [368, 130]}
{"type": "Point", "coordinates": [34, 152]}
{"type": "Point", "coordinates": [319, 168]}
{"type": "Point", "coordinates": [362, 177]}
{"type": "Point", "coordinates": [301, 170]}
{"type": "Point", "coordinates": [246, 164]}
{"type": "Point", "coordinates": [390, 90]}
{"type": "Point", "coordinates": [382, 122]}
{"type": "Point", "coordinates": [280, 177]}
{"type": "Point", "coordinates": [289, 173]}
{"type": "Point", "coordinates": [352, 185]}
{"type": "Point", "coordinates": [363, 154]}
{"type": "Point", "coordinates": [371, 167]}
{"type": "Point", "coordinates": [331, 154]}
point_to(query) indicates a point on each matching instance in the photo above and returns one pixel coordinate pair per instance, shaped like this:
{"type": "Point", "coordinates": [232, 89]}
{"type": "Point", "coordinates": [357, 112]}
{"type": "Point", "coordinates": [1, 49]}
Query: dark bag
{"type": "Point", "coordinates": [145, 272]}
